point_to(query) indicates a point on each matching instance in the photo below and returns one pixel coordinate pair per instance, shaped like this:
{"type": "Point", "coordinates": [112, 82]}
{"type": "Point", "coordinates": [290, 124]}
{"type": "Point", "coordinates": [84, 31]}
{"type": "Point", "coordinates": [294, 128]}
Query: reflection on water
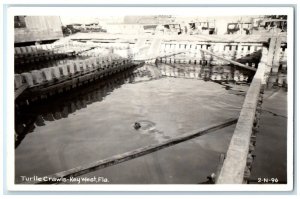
{"type": "Point", "coordinates": [97, 121]}
{"type": "Point", "coordinates": [225, 73]}
{"type": "Point", "coordinates": [28, 117]}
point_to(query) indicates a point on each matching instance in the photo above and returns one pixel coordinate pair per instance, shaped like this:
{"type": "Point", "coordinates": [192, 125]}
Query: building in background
{"type": "Point", "coordinates": [31, 29]}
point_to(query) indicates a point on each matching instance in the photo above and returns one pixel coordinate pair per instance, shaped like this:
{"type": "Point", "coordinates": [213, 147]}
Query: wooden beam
{"type": "Point", "coordinates": [231, 61]}
{"type": "Point", "coordinates": [163, 56]}
{"type": "Point", "coordinates": [100, 164]}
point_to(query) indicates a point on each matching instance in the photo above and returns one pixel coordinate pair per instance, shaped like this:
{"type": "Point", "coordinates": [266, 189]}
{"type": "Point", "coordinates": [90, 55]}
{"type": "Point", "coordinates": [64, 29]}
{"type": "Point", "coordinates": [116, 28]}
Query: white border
{"type": "Point", "coordinates": [121, 11]}
{"type": "Point", "coordinates": [118, 11]}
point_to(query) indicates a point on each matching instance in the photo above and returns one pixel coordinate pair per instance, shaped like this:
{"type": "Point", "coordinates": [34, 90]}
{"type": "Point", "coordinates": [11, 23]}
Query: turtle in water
{"type": "Point", "coordinates": [148, 127]}
{"type": "Point", "coordinates": [137, 125]}
{"type": "Point", "coordinates": [143, 125]}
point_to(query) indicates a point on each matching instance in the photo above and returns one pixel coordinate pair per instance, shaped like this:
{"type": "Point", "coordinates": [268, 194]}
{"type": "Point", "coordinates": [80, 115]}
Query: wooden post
{"type": "Point", "coordinates": [275, 64]}
{"type": "Point", "coordinates": [268, 59]}
{"type": "Point", "coordinates": [271, 51]}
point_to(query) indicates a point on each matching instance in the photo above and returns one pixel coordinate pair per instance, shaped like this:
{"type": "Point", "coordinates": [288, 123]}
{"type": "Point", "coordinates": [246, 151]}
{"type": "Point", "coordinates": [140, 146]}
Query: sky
{"type": "Point", "coordinates": [84, 20]}
{"type": "Point", "coordinates": [120, 19]}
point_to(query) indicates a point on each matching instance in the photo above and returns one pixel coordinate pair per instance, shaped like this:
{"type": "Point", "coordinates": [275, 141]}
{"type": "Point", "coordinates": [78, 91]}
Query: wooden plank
{"type": "Point", "coordinates": [231, 61]}
{"type": "Point", "coordinates": [154, 49]}
{"type": "Point", "coordinates": [100, 164]}
{"type": "Point", "coordinates": [159, 57]}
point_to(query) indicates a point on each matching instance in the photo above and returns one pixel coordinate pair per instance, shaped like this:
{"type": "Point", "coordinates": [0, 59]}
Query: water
{"type": "Point", "coordinates": [271, 146]}
{"type": "Point", "coordinates": [97, 121]}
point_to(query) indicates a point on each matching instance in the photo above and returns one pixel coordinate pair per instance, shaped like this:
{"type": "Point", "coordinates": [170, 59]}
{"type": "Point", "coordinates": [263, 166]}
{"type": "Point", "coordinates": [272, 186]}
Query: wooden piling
{"type": "Point", "coordinates": [271, 52]}
{"type": "Point", "coordinates": [275, 64]}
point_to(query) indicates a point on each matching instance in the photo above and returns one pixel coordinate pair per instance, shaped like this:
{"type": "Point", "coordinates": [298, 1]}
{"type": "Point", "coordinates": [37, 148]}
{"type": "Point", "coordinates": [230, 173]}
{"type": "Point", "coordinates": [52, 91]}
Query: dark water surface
{"type": "Point", "coordinates": [270, 163]}
{"type": "Point", "coordinates": [96, 122]}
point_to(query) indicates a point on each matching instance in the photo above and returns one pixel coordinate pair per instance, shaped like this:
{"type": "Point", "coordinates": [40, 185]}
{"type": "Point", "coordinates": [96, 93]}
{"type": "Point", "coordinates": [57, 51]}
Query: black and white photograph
{"type": "Point", "coordinates": [155, 97]}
